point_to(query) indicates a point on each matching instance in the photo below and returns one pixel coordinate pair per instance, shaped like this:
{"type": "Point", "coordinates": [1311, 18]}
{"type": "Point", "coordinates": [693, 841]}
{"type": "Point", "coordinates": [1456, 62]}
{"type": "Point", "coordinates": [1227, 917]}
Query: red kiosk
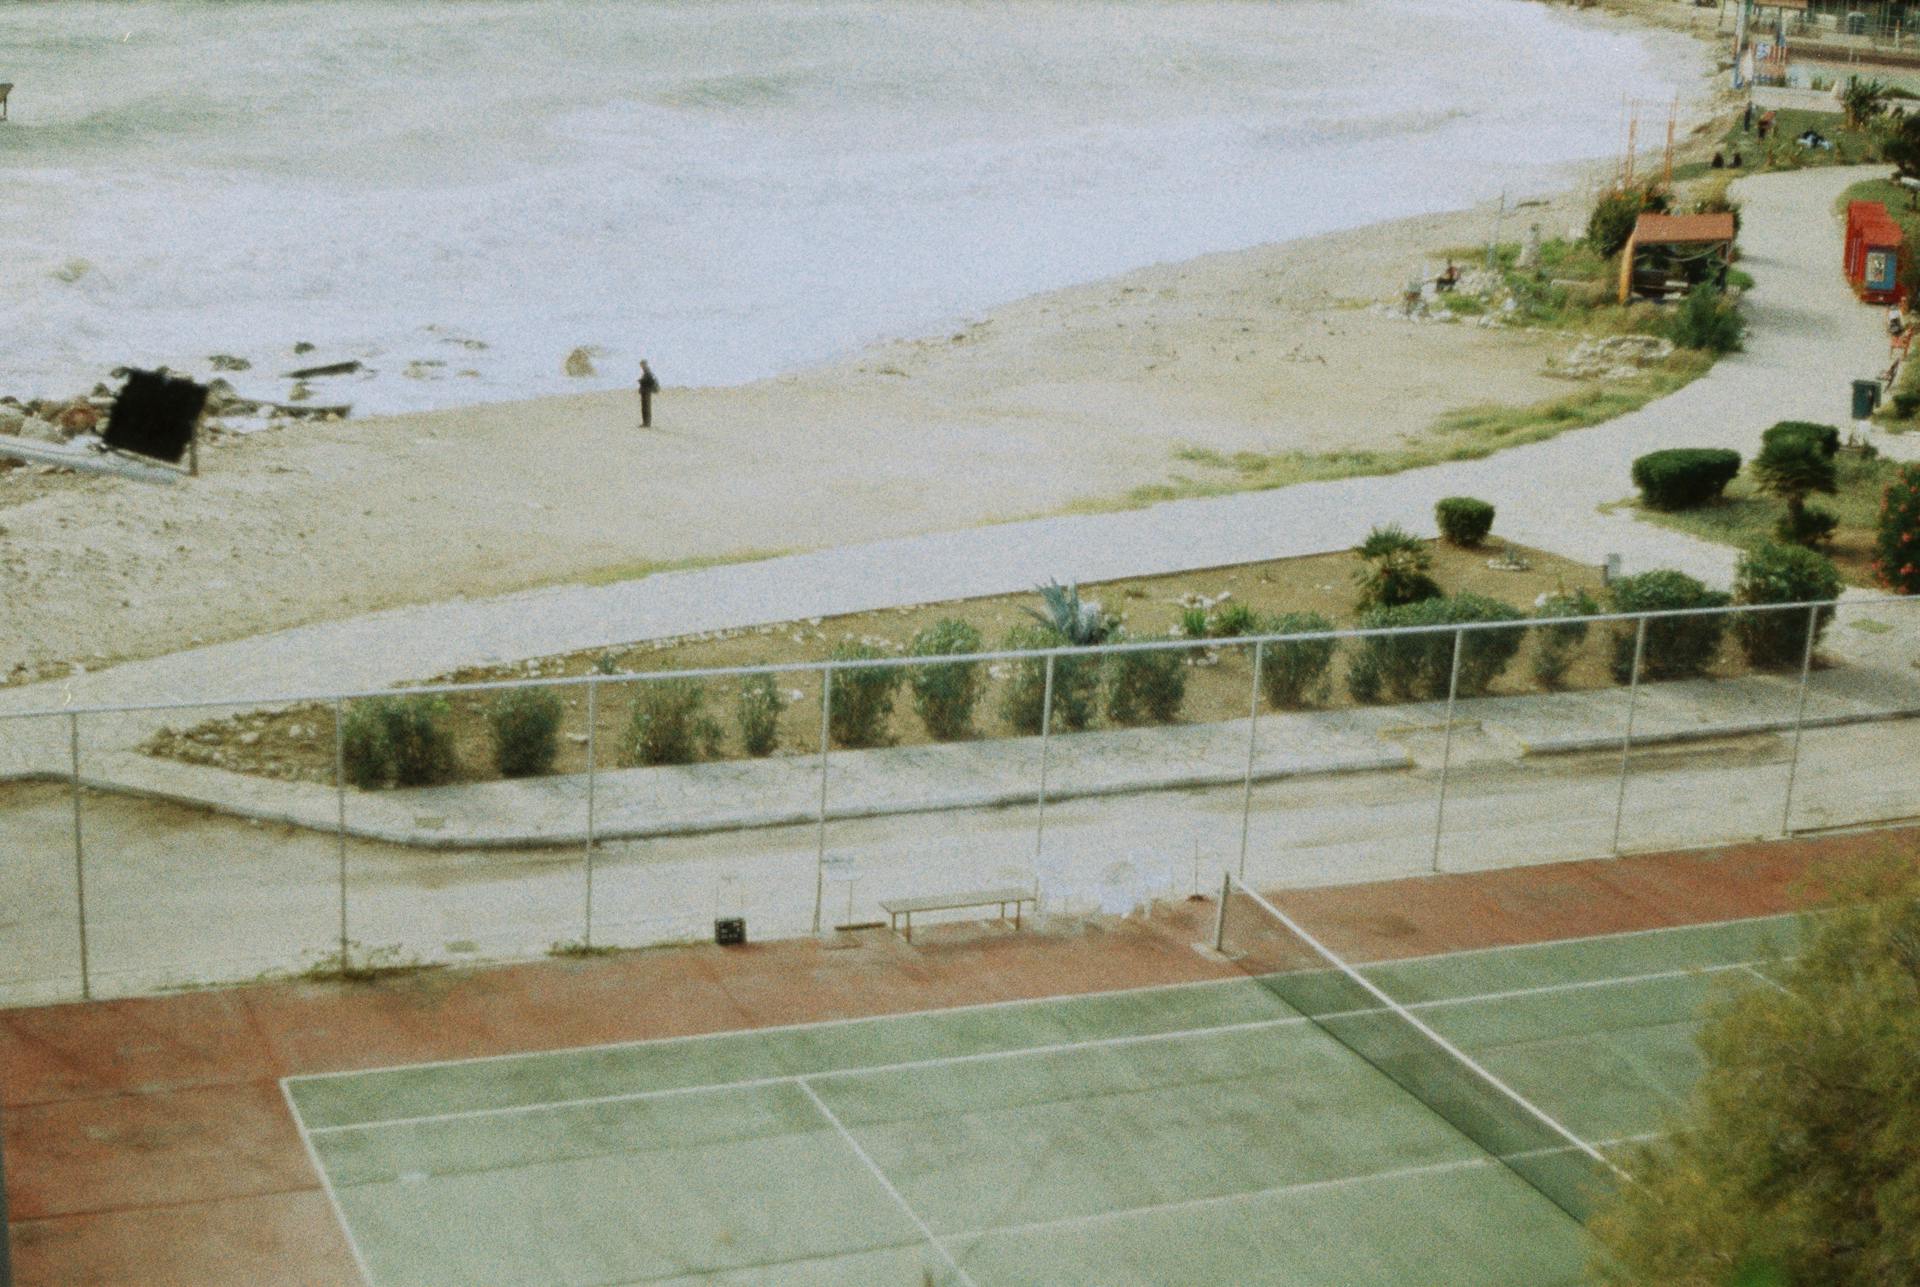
{"type": "Point", "coordinates": [1875, 247]}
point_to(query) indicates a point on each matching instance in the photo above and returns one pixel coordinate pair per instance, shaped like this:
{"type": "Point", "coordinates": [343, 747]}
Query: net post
{"type": "Point", "coordinates": [1220, 912]}
{"type": "Point", "coordinates": [79, 860]}
{"type": "Point", "coordinates": [820, 833]}
{"type": "Point", "coordinates": [593, 711]}
{"type": "Point", "coordinates": [1626, 738]}
{"type": "Point", "coordinates": [1799, 721]}
{"type": "Point", "coordinates": [1446, 751]}
{"type": "Point", "coordinates": [1040, 801]}
{"type": "Point", "coordinates": [1253, 742]}
{"type": "Point", "coordinates": [340, 816]}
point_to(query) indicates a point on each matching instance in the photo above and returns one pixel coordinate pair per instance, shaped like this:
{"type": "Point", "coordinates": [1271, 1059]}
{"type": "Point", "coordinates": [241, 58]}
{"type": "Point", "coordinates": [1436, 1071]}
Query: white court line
{"type": "Point", "coordinates": [999, 1005]}
{"type": "Point", "coordinates": [942, 1061]}
{"type": "Point", "coordinates": [1280, 1190]}
{"type": "Point", "coordinates": [778, 1027]}
{"type": "Point", "coordinates": [326, 1183]}
{"type": "Point", "coordinates": [885, 1183]}
{"type": "Point", "coordinates": [1775, 984]}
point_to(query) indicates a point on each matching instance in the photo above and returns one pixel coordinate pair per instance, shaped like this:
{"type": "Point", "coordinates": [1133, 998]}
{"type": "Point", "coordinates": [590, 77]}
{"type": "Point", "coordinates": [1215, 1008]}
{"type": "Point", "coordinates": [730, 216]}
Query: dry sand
{"type": "Point", "coordinates": [1078, 394]}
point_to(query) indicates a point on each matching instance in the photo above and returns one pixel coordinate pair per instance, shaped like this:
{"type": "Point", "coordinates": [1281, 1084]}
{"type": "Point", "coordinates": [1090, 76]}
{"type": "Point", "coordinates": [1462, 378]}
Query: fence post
{"type": "Point", "coordinates": [1799, 719]}
{"type": "Point", "coordinates": [820, 847]}
{"type": "Point", "coordinates": [1040, 813]}
{"type": "Point", "coordinates": [1220, 913]}
{"type": "Point", "coordinates": [1446, 750]}
{"type": "Point", "coordinates": [79, 860]}
{"type": "Point", "coordinates": [340, 815]}
{"type": "Point", "coordinates": [593, 724]}
{"type": "Point", "coordinates": [1253, 734]}
{"type": "Point", "coordinates": [1626, 739]}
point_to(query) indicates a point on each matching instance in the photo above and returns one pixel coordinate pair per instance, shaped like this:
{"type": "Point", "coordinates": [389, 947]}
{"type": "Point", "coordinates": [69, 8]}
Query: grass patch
{"type": "Point", "coordinates": [1743, 516]}
{"type": "Point", "coordinates": [641, 568]}
{"type": "Point", "coordinates": [1467, 434]}
{"type": "Point", "coordinates": [1780, 152]}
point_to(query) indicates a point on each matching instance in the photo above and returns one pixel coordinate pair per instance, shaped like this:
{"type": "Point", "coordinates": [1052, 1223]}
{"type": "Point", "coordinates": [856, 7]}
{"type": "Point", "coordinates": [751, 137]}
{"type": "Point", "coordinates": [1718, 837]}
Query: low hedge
{"type": "Point", "coordinates": [1464, 520]}
{"type": "Point", "coordinates": [1421, 666]}
{"type": "Point", "coordinates": [1770, 573]}
{"type": "Point", "coordinates": [1683, 477]}
{"type": "Point", "coordinates": [1676, 647]}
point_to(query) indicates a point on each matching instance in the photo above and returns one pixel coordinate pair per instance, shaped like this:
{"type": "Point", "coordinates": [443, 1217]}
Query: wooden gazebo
{"type": "Point", "coordinates": [1660, 241]}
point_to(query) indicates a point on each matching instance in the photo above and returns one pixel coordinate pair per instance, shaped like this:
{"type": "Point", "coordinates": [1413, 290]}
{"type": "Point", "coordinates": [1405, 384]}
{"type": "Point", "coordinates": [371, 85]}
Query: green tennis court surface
{"type": "Point", "coordinates": [1192, 1134]}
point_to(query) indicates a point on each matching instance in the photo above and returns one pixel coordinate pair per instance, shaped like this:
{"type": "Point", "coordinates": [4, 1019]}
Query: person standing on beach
{"type": "Point", "coordinates": [648, 387]}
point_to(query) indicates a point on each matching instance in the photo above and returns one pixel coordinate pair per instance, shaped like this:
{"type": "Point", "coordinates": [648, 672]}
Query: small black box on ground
{"type": "Point", "coordinates": [730, 932]}
{"type": "Point", "coordinates": [154, 415]}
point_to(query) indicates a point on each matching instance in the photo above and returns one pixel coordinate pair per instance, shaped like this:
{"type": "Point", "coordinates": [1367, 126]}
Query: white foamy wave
{"type": "Point", "coordinates": [730, 189]}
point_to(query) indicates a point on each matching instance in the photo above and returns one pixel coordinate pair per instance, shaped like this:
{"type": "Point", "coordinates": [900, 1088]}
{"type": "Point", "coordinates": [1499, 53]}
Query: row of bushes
{"type": "Point", "coordinates": [403, 740]}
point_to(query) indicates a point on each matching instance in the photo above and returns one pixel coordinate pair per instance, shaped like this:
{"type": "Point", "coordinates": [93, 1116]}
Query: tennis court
{"type": "Point", "coordinates": [1199, 1133]}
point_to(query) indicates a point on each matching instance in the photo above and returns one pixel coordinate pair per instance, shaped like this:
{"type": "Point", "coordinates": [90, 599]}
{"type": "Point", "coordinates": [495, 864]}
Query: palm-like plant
{"type": "Point", "coordinates": [1794, 468]}
{"type": "Point", "coordinates": [1863, 100]}
{"type": "Point", "coordinates": [1077, 621]}
{"type": "Point", "coordinates": [1396, 570]}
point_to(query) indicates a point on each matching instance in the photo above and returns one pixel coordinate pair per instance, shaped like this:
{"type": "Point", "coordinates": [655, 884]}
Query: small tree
{"type": "Point", "coordinates": [1771, 573]}
{"type": "Point", "coordinates": [525, 723]}
{"type": "Point", "coordinates": [1902, 147]}
{"type": "Point", "coordinates": [862, 697]}
{"type": "Point", "coordinates": [1294, 672]}
{"type": "Point", "coordinates": [1706, 320]}
{"type": "Point", "coordinates": [1793, 467]}
{"type": "Point", "coordinates": [1396, 569]}
{"type": "Point", "coordinates": [1896, 549]}
{"type": "Point", "coordinates": [945, 694]}
{"type": "Point", "coordinates": [1795, 1159]}
{"type": "Point", "coordinates": [758, 713]}
{"type": "Point", "coordinates": [1614, 215]}
{"type": "Point", "coordinates": [1862, 100]}
{"type": "Point", "coordinates": [669, 723]}
{"type": "Point", "coordinates": [1146, 685]}
{"type": "Point", "coordinates": [1076, 683]}
{"type": "Point", "coordinates": [1676, 647]}
{"type": "Point", "coordinates": [1556, 644]}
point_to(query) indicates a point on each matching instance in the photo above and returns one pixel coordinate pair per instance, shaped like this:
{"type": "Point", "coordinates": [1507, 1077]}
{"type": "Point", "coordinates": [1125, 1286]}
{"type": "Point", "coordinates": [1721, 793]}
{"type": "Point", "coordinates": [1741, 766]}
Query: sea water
{"type": "Point", "coordinates": [458, 193]}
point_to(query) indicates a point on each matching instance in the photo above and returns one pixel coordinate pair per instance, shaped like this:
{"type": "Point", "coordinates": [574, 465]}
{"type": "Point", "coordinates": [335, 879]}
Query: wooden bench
{"type": "Point", "coordinates": [1011, 896]}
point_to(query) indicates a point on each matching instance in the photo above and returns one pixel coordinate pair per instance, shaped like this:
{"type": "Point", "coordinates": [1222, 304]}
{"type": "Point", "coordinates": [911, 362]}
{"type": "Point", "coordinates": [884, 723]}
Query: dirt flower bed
{"type": "Point", "coordinates": [297, 742]}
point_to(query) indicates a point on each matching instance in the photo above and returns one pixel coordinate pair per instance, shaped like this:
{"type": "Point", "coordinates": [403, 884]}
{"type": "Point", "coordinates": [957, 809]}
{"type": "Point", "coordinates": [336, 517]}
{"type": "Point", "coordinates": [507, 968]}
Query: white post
{"type": "Point", "coordinates": [340, 815]}
{"type": "Point", "coordinates": [820, 849]}
{"type": "Point", "coordinates": [1799, 719]}
{"type": "Point", "coordinates": [1253, 738]}
{"type": "Point", "coordinates": [593, 722]}
{"type": "Point", "coordinates": [1220, 913]}
{"type": "Point", "coordinates": [1626, 739]}
{"type": "Point", "coordinates": [1446, 750]}
{"type": "Point", "coordinates": [79, 860]}
{"type": "Point", "coordinates": [1040, 812]}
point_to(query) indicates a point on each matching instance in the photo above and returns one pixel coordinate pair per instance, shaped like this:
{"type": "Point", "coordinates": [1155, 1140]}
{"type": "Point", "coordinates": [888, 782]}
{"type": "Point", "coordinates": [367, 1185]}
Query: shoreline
{"type": "Point", "coordinates": [1081, 393]}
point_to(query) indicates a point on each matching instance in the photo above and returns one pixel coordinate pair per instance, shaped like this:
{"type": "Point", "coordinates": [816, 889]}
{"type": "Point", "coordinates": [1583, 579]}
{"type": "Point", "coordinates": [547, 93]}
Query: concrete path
{"type": "Point", "coordinates": [1809, 339]}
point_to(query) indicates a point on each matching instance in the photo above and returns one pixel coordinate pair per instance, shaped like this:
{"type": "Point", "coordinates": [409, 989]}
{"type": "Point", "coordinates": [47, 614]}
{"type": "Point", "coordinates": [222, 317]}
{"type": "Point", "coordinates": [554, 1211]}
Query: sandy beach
{"type": "Point", "coordinates": [1061, 399]}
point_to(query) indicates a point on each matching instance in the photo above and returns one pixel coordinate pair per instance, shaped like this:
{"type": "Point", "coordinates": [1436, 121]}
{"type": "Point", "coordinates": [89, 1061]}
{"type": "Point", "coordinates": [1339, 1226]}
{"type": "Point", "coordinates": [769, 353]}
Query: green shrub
{"type": "Point", "coordinates": [366, 756]}
{"type": "Point", "coordinates": [1555, 645]}
{"type": "Point", "coordinates": [1771, 573]}
{"type": "Point", "coordinates": [1906, 403]}
{"type": "Point", "coordinates": [1294, 672]}
{"type": "Point", "coordinates": [1793, 466]}
{"type": "Point", "coordinates": [1193, 623]}
{"type": "Point", "coordinates": [1809, 526]}
{"type": "Point", "coordinates": [758, 713]}
{"type": "Point", "coordinates": [945, 694]}
{"type": "Point", "coordinates": [1464, 520]}
{"type": "Point", "coordinates": [1677, 647]}
{"type": "Point", "coordinates": [1078, 622]}
{"type": "Point", "coordinates": [669, 724]}
{"type": "Point", "coordinates": [1896, 547]}
{"type": "Point", "coordinates": [525, 723]}
{"type": "Point", "coordinates": [1076, 683]}
{"type": "Point", "coordinates": [1613, 217]}
{"type": "Point", "coordinates": [1706, 320]}
{"type": "Point", "coordinates": [1824, 437]}
{"type": "Point", "coordinates": [1234, 621]}
{"type": "Point", "coordinates": [1683, 477]}
{"type": "Point", "coordinates": [1396, 569]}
{"type": "Point", "coordinates": [1420, 666]}
{"type": "Point", "coordinates": [1145, 686]}
{"type": "Point", "coordinates": [862, 697]}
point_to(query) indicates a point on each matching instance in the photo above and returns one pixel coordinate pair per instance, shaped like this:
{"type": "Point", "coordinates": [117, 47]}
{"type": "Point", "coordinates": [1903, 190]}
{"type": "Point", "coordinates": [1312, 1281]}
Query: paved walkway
{"type": "Point", "coordinates": [1809, 338]}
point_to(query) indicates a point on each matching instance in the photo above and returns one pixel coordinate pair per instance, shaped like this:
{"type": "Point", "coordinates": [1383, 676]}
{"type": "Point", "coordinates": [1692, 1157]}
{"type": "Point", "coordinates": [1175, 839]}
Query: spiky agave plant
{"type": "Point", "coordinates": [1078, 621]}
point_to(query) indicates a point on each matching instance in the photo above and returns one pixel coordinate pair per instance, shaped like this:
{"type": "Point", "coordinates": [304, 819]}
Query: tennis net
{"type": "Point", "coordinates": [1302, 972]}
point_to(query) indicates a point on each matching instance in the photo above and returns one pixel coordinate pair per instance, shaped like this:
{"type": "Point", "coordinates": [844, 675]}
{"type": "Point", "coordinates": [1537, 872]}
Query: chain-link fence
{"type": "Point", "coordinates": [163, 846]}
